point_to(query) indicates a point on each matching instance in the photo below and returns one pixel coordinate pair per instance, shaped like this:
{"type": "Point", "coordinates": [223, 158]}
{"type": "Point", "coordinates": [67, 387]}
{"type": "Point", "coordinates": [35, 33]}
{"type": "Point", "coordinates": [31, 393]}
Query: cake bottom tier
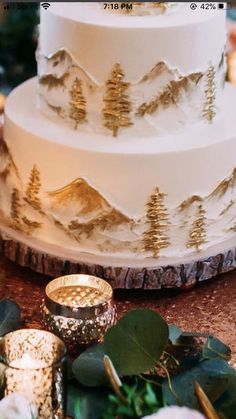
{"type": "Point", "coordinates": [184, 274]}
{"type": "Point", "coordinates": [142, 203]}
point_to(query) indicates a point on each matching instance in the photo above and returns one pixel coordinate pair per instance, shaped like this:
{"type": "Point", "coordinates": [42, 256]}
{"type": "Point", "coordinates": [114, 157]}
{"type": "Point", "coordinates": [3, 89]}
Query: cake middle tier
{"type": "Point", "coordinates": [123, 75]}
{"type": "Point", "coordinates": [133, 199]}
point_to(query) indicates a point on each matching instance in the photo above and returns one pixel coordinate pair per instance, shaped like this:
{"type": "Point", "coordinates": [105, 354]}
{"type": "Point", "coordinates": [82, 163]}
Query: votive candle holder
{"type": "Point", "coordinates": [33, 365]}
{"type": "Point", "coordinates": [79, 308]}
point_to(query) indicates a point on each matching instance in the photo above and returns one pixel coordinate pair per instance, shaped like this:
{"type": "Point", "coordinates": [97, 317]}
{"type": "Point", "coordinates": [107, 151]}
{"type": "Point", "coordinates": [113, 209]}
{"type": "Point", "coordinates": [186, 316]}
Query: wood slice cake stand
{"type": "Point", "coordinates": [180, 273]}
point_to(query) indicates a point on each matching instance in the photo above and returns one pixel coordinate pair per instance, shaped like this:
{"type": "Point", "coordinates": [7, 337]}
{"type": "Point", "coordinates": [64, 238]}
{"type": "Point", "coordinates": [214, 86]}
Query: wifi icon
{"type": "Point", "coordinates": [45, 5]}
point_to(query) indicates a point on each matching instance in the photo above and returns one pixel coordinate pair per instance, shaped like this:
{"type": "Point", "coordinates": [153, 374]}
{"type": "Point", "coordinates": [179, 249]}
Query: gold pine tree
{"type": "Point", "coordinates": [197, 235]}
{"type": "Point", "coordinates": [32, 191]}
{"type": "Point", "coordinates": [78, 103]}
{"type": "Point", "coordinates": [209, 110]}
{"type": "Point", "coordinates": [15, 208]}
{"type": "Point", "coordinates": [155, 237]}
{"type": "Point", "coordinates": [117, 107]}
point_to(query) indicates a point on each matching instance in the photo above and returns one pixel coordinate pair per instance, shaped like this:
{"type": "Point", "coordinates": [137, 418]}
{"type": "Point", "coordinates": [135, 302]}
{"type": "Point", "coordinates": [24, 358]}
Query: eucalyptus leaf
{"type": "Point", "coordinates": [137, 341]}
{"type": "Point", "coordinates": [93, 403]}
{"type": "Point", "coordinates": [73, 400]}
{"type": "Point", "coordinates": [226, 404]}
{"type": "Point", "coordinates": [174, 333]}
{"type": "Point", "coordinates": [209, 375]}
{"type": "Point", "coordinates": [10, 317]}
{"type": "Point", "coordinates": [218, 367]}
{"type": "Point", "coordinates": [89, 369]}
{"type": "Point", "coordinates": [214, 348]}
{"type": "Point", "coordinates": [86, 403]}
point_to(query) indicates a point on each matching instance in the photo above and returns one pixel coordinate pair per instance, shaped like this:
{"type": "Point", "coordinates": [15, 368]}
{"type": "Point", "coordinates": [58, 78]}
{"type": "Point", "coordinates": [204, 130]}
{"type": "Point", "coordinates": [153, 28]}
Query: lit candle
{"type": "Point", "coordinates": [34, 368]}
{"type": "Point", "coordinates": [28, 363]}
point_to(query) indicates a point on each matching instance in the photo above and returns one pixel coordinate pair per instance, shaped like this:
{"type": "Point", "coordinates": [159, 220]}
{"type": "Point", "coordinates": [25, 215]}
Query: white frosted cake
{"type": "Point", "coordinates": [123, 150]}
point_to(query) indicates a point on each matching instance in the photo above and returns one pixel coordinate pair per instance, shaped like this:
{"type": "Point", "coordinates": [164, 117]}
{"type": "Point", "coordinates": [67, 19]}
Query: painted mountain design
{"type": "Point", "coordinates": [158, 70]}
{"type": "Point", "coordinates": [224, 186]}
{"type": "Point", "coordinates": [60, 56]}
{"type": "Point", "coordinates": [170, 94]}
{"type": "Point", "coordinates": [53, 82]}
{"type": "Point", "coordinates": [7, 164]}
{"type": "Point", "coordinates": [162, 89]}
{"type": "Point", "coordinates": [62, 61]}
{"type": "Point", "coordinates": [83, 209]}
{"type": "Point", "coordinates": [20, 216]}
{"type": "Point", "coordinates": [189, 201]}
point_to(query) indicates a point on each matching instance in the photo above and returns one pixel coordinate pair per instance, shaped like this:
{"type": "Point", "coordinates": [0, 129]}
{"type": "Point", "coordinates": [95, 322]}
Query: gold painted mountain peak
{"type": "Point", "coordinates": [59, 56]}
{"type": "Point", "coordinates": [7, 163]}
{"type": "Point", "coordinates": [189, 201]}
{"type": "Point", "coordinates": [226, 184]}
{"type": "Point", "coordinates": [87, 208]}
{"type": "Point", "coordinates": [79, 191]}
{"type": "Point", "coordinates": [156, 71]}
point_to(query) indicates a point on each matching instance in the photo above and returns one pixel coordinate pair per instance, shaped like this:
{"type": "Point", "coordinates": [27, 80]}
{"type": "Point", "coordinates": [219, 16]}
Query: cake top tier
{"type": "Point", "coordinates": [115, 73]}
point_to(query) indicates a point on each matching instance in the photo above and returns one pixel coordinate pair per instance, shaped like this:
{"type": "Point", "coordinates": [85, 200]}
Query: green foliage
{"type": "Point", "coordinates": [214, 348]}
{"type": "Point", "coordinates": [73, 400]}
{"type": "Point", "coordinates": [137, 341]}
{"type": "Point", "coordinates": [174, 333]}
{"type": "Point", "coordinates": [17, 45]}
{"type": "Point", "coordinates": [226, 404]}
{"type": "Point", "coordinates": [209, 374]}
{"type": "Point", "coordinates": [86, 403]}
{"type": "Point", "coordinates": [141, 342]}
{"type": "Point", "coordinates": [141, 397]}
{"type": "Point", "coordinates": [88, 368]}
{"type": "Point", "coordinates": [10, 318]}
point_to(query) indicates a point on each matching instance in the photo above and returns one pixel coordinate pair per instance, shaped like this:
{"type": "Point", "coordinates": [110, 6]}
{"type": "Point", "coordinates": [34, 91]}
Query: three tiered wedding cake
{"type": "Point", "coordinates": [128, 158]}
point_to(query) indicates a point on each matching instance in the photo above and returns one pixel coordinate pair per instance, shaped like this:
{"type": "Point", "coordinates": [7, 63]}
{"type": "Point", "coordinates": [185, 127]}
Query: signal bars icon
{"type": "Point", "coordinates": [45, 5]}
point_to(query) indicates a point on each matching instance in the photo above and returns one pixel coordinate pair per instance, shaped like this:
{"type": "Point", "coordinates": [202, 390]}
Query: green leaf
{"type": "Point", "coordinates": [137, 341]}
{"type": "Point", "coordinates": [86, 403]}
{"type": "Point", "coordinates": [88, 368]}
{"type": "Point", "coordinates": [174, 333]}
{"type": "Point", "coordinates": [10, 318]}
{"type": "Point", "coordinates": [73, 400]}
{"type": "Point", "coordinates": [214, 348]}
{"type": "Point", "coordinates": [141, 397]}
{"type": "Point", "coordinates": [226, 404]}
{"type": "Point", "coordinates": [218, 367]}
{"type": "Point", "coordinates": [212, 378]}
{"type": "Point", "coordinates": [93, 403]}
{"type": "Point", "coordinates": [150, 397]}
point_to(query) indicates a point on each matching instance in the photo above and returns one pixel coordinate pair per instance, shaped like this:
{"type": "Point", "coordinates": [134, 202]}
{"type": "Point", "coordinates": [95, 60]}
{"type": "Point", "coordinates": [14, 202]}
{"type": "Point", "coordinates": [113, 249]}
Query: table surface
{"type": "Point", "coordinates": [209, 307]}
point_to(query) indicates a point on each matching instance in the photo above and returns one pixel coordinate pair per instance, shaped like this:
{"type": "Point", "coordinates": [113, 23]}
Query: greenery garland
{"type": "Point", "coordinates": [143, 365]}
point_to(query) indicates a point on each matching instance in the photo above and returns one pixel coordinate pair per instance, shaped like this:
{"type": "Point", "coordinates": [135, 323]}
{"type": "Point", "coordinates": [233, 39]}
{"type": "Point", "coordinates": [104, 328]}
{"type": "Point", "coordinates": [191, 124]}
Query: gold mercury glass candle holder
{"type": "Point", "coordinates": [33, 364]}
{"type": "Point", "coordinates": [79, 309]}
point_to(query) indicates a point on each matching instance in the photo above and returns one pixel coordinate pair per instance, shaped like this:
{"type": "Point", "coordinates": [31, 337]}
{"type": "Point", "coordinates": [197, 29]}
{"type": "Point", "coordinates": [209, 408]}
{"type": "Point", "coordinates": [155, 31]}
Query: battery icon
{"type": "Point", "coordinates": [224, 6]}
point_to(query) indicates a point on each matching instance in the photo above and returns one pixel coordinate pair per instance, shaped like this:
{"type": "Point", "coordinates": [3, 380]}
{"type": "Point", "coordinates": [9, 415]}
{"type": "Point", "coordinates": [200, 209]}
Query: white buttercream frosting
{"type": "Point", "coordinates": [120, 176]}
{"type": "Point", "coordinates": [169, 174]}
{"type": "Point", "coordinates": [184, 42]}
